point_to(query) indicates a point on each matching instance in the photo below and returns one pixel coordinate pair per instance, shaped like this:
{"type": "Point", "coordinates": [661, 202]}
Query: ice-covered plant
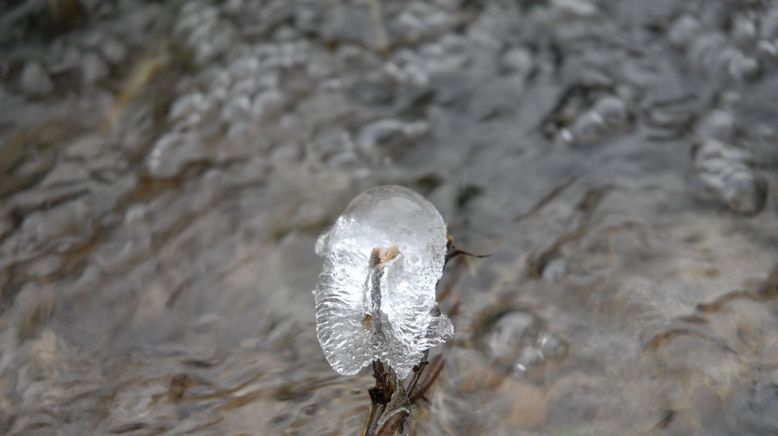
{"type": "Point", "coordinates": [375, 300]}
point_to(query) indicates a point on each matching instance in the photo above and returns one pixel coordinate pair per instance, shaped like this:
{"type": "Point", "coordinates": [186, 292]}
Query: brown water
{"type": "Point", "coordinates": [167, 167]}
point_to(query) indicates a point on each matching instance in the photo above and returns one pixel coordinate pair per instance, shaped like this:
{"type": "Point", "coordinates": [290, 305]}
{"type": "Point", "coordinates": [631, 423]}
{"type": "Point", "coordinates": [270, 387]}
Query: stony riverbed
{"type": "Point", "coordinates": [167, 166]}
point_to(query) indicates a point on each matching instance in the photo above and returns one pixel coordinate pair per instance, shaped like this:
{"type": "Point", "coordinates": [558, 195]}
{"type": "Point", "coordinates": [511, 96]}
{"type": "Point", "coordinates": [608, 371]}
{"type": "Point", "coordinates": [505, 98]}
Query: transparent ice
{"type": "Point", "coordinates": [375, 299]}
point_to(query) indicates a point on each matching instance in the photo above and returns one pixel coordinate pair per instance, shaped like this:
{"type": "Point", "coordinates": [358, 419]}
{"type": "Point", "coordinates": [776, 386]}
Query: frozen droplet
{"type": "Point", "coordinates": [375, 299]}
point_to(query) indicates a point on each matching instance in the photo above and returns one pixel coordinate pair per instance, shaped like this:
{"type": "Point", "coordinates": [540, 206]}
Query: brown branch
{"type": "Point", "coordinates": [380, 395]}
{"type": "Point", "coordinates": [417, 371]}
{"type": "Point", "coordinates": [423, 386]}
{"type": "Point", "coordinates": [383, 400]}
{"type": "Point", "coordinates": [392, 424]}
{"type": "Point", "coordinates": [452, 252]}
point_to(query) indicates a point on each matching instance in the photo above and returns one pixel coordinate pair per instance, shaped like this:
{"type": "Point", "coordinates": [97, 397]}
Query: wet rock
{"type": "Point", "coordinates": [722, 174]}
{"type": "Point", "coordinates": [442, 59]}
{"type": "Point", "coordinates": [113, 50]}
{"type": "Point", "coordinates": [172, 152]}
{"type": "Point", "coordinates": [33, 308]}
{"type": "Point", "coordinates": [267, 120]}
{"type": "Point", "coordinates": [518, 341]}
{"type": "Point", "coordinates": [530, 408]}
{"type": "Point", "coordinates": [508, 334]}
{"type": "Point", "coordinates": [204, 31]}
{"type": "Point", "coordinates": [684, 30]}
{"type": "Point", "coordinates": [741, 66]}
{"type": "Point", "coordinates": [350, 23]}
{"type": "Point", "coordinates": [719, 125]}
{"type": "Point", "coordinates": [236, 109]}
{"type": "Point", "coordinates": [64, 173]}
{"type": "Point", "coordinates": [44, 266]}
{"type": "Point", "coordinates": [607, 116]}
{"type": "Point", "coordinates": [744, 31]}
{"type": "Point", "coordinates": [518, 61]}
{"type": "Point", "coordinates": [718, 54]}
{"type": "Point", "coordinates": [58, 228]}
{"type": "Point", "coordinates": [133, 242]}
{"type": "Point", "coordinates": [579, 8]}
{"type": "Point", "coordinates": [133, 407]}
{"type": "Point", "coordinates": [390, 137]}
{"type": "Point", "coordinates": [268, 105]}
{"type": "Point", "coordinates": [244, 67]}
{"type": "Point", "coordinates": [5, 227]}
{"type": "Point", "coordinates": [35, 81]}
{"type": "Point", "coordinates": [613, 111]}
{"type": "Point", "coordinates": [93, 68]}
{"type": "Point", "coordinates": [765, 403]}
{"type": "Point", "coordinates": [575, 401]}
{"type": "Point", "coordinates": [287, 153]}
{"type": "Point", "coordinates": [552, 346]}
{"type": "Point", "coordinates": [189, 108]}
{"type": "Point", "coordinates": [555, 269]}
{"type": "Point", "coordinates": [420, 20]}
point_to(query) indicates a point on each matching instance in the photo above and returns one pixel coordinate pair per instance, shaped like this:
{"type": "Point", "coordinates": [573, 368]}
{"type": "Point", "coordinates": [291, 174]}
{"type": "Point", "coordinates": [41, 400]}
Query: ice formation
{"type": "Point", "coordinates": [375, 299]}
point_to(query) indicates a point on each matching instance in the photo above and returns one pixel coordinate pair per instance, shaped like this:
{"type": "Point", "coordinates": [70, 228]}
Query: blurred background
{"type": "Point", "coordinates": [166, 167]}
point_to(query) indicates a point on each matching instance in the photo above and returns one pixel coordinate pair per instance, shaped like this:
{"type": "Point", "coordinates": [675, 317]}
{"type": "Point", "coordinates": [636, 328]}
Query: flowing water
{"type": "Point", "coordinates": [167, 167]}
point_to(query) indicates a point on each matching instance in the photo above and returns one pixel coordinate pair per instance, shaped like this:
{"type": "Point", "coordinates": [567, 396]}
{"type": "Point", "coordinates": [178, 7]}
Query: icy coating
{"type": "Point", "coordinates": [376, 293]}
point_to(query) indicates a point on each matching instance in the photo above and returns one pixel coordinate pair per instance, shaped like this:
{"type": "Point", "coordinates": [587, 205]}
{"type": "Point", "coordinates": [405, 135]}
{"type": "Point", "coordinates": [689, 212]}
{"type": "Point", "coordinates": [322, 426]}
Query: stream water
{"type": "Point", "coordinates": [166, 168]}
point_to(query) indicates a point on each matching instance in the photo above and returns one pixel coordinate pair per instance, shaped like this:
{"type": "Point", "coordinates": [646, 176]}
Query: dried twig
{"type": "Point", "coordinates": [380, 395]}
{"type": "Point", "coordinates": [452, 252]}
{"type": "Point", "coordinates": [389, 397]}
{"type": "Point", "coordinates": [392, 424]}
{"type": "Point", "coordinates": [417, 370]}
{"type": "Point", "coordinates": [423, 386]}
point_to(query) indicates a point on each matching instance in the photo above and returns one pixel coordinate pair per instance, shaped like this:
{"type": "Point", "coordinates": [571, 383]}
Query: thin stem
{"type": "Point", "coordinates": [435, 367]}
{"type": "Point", "coordinates": [380, 395]}
{"type": "Point", "coordinates": [376, 410]}
{"type": "Point", "coordinates": [452, 252]}
{"type": "Point", "coordinates": [386, 383]}
{"type": "Point", "coordinates": [393, 423]}
{"type": "Point", "coordinates": [417, 371]}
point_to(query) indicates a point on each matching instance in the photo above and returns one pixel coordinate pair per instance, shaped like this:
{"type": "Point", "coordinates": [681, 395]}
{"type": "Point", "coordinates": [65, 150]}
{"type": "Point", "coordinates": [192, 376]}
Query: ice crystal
{"type": "Point", "coordinates": [375, 299]}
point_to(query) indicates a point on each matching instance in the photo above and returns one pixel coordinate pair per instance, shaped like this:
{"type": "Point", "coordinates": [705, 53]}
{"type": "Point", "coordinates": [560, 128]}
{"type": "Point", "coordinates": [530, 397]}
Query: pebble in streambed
{"type": "Point", "coordinates": [518, 341]}
{"type": "Point", "coordinates": [604, 117]}
{"type": "Point", "coordinates": [724, 167]}
{"type": "Point", "coordinates": [722, 174]}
